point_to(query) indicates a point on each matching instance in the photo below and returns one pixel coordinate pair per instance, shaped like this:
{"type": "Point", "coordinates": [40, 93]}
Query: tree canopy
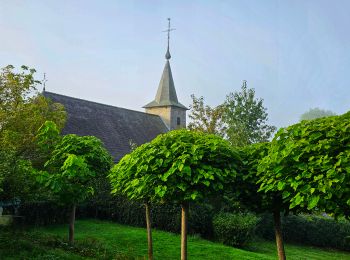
{"type": "Point", "coordinates": [309, 163]}
{"type": "Point", "coordinates": [74, 161]}
{"type": "Point", "coordinates": [316, 112]}
{"type": "Point", "coordinates": [22, 111]}
{"type": "Point", "coordinates": [205, 118]}
{"type": "Point", "coordinates": [246, 118]}
{"type": "Point", "coordinates": [181, 166]}
{"type": "Point", "coordinates": [241, 119]}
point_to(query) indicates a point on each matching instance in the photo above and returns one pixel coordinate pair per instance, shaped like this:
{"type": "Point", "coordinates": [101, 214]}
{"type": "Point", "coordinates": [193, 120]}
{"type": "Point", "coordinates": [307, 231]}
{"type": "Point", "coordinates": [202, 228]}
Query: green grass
{"type": "Point", "coordinates": [106, 240]}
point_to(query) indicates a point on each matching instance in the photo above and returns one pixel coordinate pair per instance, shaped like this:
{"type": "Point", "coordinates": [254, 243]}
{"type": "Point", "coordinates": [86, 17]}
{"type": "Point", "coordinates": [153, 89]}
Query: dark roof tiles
{"type": "Point", "coordinates": [115, 126]}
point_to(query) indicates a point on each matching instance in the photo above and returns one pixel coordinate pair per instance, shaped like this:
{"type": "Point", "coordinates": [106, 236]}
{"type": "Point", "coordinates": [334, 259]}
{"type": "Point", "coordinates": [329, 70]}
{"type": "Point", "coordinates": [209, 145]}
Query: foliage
{"type": "Point", "coordinates": [247, 180]}
{"type": "Point", "coordinates": [234, 229]}
{"type": "Point", "coordinates": [16, 177]}
{"type": "Point", "coordinates": [205, 118]}
{"type": "Point", "coordinates": [246, 118]}
{"type": "Point", "coordinates": [313, 230]}
{"type": "Point", "coordinates": [73, 164]}
{"type": "Point", "coordinates": [309, 163]}
{"type": "Point", "coordinates": [316, 112]}
{"type": "Point", "coordinates": [268, 201]}
{"type": "Point", "coordinates": [177, 166]}
{"type": "Point", "coordinates": [22, 112]}
{"type": "Point", "coordinates": [247, 198]}
{"type": "Point", "coordinates": [48, 136]}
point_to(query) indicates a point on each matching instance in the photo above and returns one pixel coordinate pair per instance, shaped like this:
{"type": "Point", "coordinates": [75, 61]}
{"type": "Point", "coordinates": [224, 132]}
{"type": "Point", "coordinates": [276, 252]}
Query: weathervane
{"type": "Point", "coordinates": [44, 82]}
{"type": "Point", "coordinates": [167, 55]}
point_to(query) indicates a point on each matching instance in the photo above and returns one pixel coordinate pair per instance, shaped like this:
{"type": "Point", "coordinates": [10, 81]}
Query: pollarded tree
{"type": "Point", "coordinates": [132, 178]}
{"type": "Point", "coordinates": [263, 201]}
{"type": "Point", "coordinates": [181, 166]}
{"type": "Point", "coordinates": [74, 163]}
{"type": "Point", "coordinates": [309, 164]}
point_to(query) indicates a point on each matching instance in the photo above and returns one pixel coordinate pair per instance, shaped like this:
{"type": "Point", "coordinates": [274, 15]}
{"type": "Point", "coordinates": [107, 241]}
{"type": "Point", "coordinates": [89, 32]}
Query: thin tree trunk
{"type": "Point", "coordinates": [71, 225]}
{"type": "Point", "coordinates": [278, 235]}
{"type": "Point", "coordinates": [149, 232]}
{"type": "Point", "coordinates": [184, 220]}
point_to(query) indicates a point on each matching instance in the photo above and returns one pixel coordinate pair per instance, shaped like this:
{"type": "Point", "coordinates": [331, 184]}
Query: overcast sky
{"type": "Point", "coordinates": [295, 54]}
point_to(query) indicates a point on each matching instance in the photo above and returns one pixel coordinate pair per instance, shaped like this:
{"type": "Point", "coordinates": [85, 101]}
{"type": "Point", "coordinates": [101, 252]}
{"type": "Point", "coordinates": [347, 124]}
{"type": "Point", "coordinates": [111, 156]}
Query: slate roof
{"type": "Point", "coordinates": [166, 93]}
{"type": "Point", "coordinates": [115, 126]}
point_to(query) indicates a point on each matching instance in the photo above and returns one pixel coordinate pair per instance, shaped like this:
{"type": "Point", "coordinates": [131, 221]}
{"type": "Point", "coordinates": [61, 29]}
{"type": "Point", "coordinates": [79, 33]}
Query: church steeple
{"type": "Point", "coordinates": [166, 104]}
{"type": "Point", "coordinates": [166, 93]}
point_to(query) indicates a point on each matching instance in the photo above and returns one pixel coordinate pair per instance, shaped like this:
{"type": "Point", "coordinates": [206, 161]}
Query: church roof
{"type": "Point", "coordinates": [115, 126]}
{"type": "Point", "coordinates": [166, 93]}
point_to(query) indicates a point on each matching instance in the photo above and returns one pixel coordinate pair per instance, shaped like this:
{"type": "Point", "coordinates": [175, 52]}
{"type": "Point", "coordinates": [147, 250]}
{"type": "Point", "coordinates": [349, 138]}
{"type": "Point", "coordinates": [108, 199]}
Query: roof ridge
{"type": "Point", "coordinates": [97, 103]}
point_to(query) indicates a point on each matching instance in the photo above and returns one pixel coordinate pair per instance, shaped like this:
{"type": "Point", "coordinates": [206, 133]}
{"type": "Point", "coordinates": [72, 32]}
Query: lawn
{"type": "Point", "coordinates": [106, 240]}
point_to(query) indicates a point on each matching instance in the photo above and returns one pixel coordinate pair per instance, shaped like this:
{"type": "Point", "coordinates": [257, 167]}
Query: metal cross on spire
{"type": "Point", "coordinates": [167, 55]}
{"type": "Point", "coordinates": [44, 82]}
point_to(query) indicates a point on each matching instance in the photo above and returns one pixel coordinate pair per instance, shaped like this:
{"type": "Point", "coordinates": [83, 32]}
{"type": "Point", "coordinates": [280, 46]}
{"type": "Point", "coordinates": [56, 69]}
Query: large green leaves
{"type": "Point", "coordinates": [309, 162]}
{"type": "Point", "coordinates": [180, 165]}
{"type": "Point", "coordinates": [73, 164]}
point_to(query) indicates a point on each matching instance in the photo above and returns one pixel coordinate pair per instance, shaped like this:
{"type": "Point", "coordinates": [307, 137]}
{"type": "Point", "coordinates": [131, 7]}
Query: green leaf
{"type": "Point", "coordinates": [281, 185]}
{"type": "Point", "coordinates": [312, 202]}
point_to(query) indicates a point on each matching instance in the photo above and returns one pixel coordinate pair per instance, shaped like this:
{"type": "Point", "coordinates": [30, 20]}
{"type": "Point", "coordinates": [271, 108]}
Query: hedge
{"type": "Point", "coordinates": [303, 229]}
{"type": "Point", "coordinates": [314, 230]}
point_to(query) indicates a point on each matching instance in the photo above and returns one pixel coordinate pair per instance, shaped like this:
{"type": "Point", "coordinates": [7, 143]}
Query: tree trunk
{"type": "Point", "coordinates": [184, 220]}
{"type": "Point", "coordinates": [149, 232]}
{"type": "Point", "coordinates": [71, 225]}
{"type": "Point", "coordinates": [278, 235]}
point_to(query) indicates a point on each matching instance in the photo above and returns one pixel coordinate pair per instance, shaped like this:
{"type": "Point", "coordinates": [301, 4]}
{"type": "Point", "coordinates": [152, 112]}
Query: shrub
{"type": "Point", "coordinates": [234, 229]}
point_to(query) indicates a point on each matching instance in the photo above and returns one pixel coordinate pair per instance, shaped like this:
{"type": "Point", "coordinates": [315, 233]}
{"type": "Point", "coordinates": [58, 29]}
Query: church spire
{"type": "Point", "coordinates": [166, 104]}
{"type": "Point", "coordinates": [166, 93]}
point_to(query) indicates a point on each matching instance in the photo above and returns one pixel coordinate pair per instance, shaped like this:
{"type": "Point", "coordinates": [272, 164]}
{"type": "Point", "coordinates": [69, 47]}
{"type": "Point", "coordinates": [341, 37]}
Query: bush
{"type": "Point", "coordinates": [234, 229]}
{"type": "Point", "coordinates": [314, 230]}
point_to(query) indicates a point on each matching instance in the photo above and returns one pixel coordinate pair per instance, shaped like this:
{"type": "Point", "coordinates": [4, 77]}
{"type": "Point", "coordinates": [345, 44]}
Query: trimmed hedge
{"type": "Point", "coordinates": [303, 229]}
{"type": "Point", "coordinates": [312, 230]}
{"type": "Point", "coordinates": [119, 209]}
{"type": "Point", "coordinates": [43, 213]}
{"type": "Point", "coordinates": [164, 216]}
{"type": "Point", "coordinates": [234, 229]}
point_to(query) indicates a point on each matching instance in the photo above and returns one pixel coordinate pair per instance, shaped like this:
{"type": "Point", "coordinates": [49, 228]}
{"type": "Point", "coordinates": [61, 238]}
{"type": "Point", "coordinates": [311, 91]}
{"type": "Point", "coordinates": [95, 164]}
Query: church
{"type": "Point", "coordinates": [120, 128]}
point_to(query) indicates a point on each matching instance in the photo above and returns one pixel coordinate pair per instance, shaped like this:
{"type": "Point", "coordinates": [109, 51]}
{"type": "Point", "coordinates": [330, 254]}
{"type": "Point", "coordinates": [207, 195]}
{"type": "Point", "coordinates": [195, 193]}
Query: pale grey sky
{"type": "Point", "coordinates": [295, 53]}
